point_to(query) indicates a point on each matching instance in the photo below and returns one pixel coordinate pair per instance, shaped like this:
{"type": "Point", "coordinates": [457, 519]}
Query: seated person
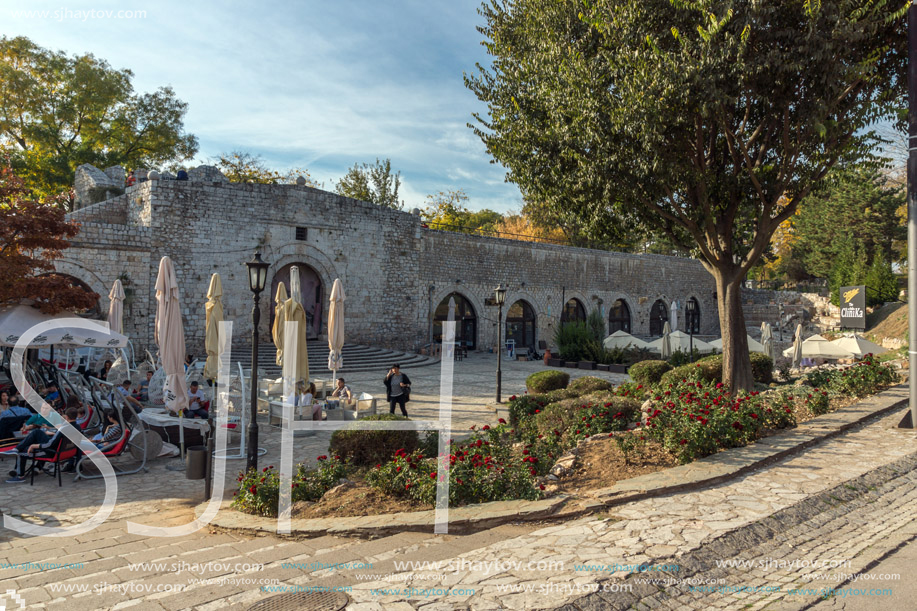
{"type": "Point", "coordinates": [38, 443]}
{"type": "Point", "coordinates": [52, 395]}
{"type": "Point", "coordinates": [142, 392]}
{"type": "Point", "coordinates": [103, 374]}
{"type": "Point", "coordinates": [197, 403]}
{"type": "Point", "coordinates": [125, 390]}
{"type": "Point", "coordinates": [341, 392]}
{"type": "Point", "coordinates": [12, 419]}
{"type": "Point", "coordinates": [112, 432]}
{"type": "Point", "coordinates": [303, 397]}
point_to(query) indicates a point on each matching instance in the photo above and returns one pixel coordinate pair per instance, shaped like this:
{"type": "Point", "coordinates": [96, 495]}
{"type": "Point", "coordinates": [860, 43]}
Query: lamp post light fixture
{"type": "Point", "coordinates": [499, 298]}
{"type": "Point", "coordinates": [690, 317]}
{"type": "Point", "coordinates": [257, 276]}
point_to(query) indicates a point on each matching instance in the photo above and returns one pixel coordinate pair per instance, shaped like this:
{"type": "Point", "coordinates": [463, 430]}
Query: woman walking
{"type": "Point", "coordinates": [397, 389]}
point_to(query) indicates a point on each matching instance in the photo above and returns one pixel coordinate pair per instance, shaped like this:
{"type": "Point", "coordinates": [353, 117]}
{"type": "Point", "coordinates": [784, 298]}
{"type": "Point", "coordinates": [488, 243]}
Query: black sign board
{"type": "Point", "coordinates": [853, 307]}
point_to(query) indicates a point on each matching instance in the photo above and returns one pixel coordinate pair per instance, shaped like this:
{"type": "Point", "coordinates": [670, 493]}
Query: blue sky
{"type": "Point", "coordinates": [319, 85]}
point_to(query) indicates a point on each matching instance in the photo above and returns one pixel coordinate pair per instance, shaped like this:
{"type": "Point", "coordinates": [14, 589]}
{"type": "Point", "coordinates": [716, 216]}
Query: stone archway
{"type": "Point", "coordinates": [312, 295]}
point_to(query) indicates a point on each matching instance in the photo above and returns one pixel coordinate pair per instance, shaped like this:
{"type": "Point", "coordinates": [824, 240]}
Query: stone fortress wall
{"type": "Point", "coordinates": [395, 272]}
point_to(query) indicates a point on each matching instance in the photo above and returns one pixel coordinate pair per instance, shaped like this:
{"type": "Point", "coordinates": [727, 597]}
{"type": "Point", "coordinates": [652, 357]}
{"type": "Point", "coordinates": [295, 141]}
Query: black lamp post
{"type": "Point", "coordinates": [690, 317]}
{"type": "Point", "coordinates": [257, 275]}
{"type": "Point", "coordinates": [499, 298]}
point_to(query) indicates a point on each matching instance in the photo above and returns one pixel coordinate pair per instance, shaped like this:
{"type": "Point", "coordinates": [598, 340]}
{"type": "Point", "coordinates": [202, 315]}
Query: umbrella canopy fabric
{"type": "Point", "coordinates": [277, 330]}
{"type": "Point", "coordinates": [213, 316]}
{"type": "Point", "coordinates": [678, 340]}
{"type": "Point", "coordinates": [859, 345]}
{"type": "Point", "coordinates": [665, 346]}
{"type": "Point", "coordinates": [336, 326]}
{"type": "Point", "coordinates": [817, 347]}
{"type": "Point", "coordinates": [294, 312]}
{"type": "Point", "coordinates": [170, 336]}
{"type": "Point", "coordinates": [753, 344]}
{"type": "Point", "coordinates": [674, 315]}
{"type": "Point", "coordinates": [796, 349]}
{"type": "Point", "coordinates": [623, 339]}
{"type": "Point", "coordinates": [116, 307]}
{"type": "Point", "coordinates": [16, 320]}
{"type": "Point", "coordinates": [295, 285]}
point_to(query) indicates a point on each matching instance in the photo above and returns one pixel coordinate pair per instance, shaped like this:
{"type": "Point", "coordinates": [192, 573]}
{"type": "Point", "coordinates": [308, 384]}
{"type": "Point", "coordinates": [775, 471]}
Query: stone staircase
{"type": "Point", "coordinates": [356, 358]}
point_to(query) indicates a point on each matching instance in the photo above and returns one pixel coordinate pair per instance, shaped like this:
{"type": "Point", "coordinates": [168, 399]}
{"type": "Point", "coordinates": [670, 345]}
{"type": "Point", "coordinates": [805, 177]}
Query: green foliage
{"type": "Point", "coordinates": [762, 367]}
{"type": "Point", "coordinates": [648, 373]}
{"type": "Point", "coordinates": [61, 111]}
{"type": "Point", "coordinates": [591, 414]}
{"type": "Point", "coordinates": [573, 341]}
{"type": "Point", "coordinates": [863, 378]}
{"type": "Point", "coordinates": [701, 371]}
{"type": "Point", "coordinates": [604, 116]}
{"type": "Point", "coordinates": [849, 267]}
{"type": "Point", "coordinates": [241, 166]}
{"type": "Point", "coordinates": [881, 284]}
{"type": "Point", "coordinates": [370, 447]}
{"type": "Point", "coordinates": [446, 211]}
{"type": "Point", "coordinates": [588, 384]}
{"type": "Point", "coordinates": [543, 381]}
{"type": "Point", "coordinates": [630, 444]}
{"type": "Point", "coordinates": [595, 322]}
{"type": "Point", "coordinates": [372, 183]}
{"type": "Point", "coordinates": [259, 491]}
{"type": "Point", "coordinates": [683, 357]}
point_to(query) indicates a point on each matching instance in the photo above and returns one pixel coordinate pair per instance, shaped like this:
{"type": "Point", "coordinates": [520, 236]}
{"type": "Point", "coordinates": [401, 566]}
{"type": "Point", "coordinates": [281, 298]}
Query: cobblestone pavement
{"type": "Point", "coordinates": [661, 530]}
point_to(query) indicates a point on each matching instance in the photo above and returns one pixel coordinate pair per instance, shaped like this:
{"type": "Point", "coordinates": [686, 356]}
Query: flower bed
{"type": "Point", "coordinates": [689, 418]}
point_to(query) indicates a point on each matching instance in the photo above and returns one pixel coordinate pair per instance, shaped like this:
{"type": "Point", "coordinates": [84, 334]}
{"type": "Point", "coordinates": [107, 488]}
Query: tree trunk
{"type": "Point", "coordinates": [737, 372]}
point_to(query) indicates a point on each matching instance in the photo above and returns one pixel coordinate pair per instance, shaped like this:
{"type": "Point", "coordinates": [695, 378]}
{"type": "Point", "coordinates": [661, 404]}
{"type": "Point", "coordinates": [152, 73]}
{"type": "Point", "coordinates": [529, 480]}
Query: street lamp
{"type": "Point", "coordinates": [690, 314]}
{"type": "Point", "coordinates": [257, 275]}
{"type": "Point", "coordinates": [499, 298]}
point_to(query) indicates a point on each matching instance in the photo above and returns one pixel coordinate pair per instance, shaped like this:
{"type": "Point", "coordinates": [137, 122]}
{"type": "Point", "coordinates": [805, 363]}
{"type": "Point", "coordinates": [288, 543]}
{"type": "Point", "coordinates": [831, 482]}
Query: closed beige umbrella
{"type": "Point", "coordinates": [295, 285]}
{"type": "Point", "coordinates": [116, 308]}
{"type": "Point", "coordinates": [294, 312]}
{"type": "Point", "coordinates": [665, 346]}
{"type": "Point", "coordinates": [213, 316]}
{"type": "Point", "coordinates": [336, 328]}
{"type": "Point", "coordinates": [277, 330]}
{"type": "Point", "coordinates": [170, 336]}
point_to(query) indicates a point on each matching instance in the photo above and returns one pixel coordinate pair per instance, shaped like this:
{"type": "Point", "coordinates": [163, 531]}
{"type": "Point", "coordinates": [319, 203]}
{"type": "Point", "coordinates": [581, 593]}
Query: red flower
{"type": "Point", "coordinates": [252, 490]}
{"type": "Point", "coordinates": [264, 470]}
{"type": "Point", "coordinates": [398, 469]}
{"type": "Point", "coordinates": [513, 398]}
{"type": "Point", "coordinates": [458, 481]}
{"type": "Point", "coordinates": [532, 471]}
{"type": "Point", "coordinates": [719, 384]}
{"type": "Point", "coordinates": [754, 416]}
{"type": "Point", "coordinates": [684, 441]}
{"type": "Point", "coordinates": [541, 487]}
{"type": "Point", "coordinates": [501, 421]}
{"type": "Point", "coordinates": [537, 411]}
{"type": "Point", "coordinates": [433, 475]}
{"type": "Point", "coordinates": [322, 457]}
{"type": "Point", "coordinates": [407, 486]}
{"type": "Point", "coordinates": [485, 427]}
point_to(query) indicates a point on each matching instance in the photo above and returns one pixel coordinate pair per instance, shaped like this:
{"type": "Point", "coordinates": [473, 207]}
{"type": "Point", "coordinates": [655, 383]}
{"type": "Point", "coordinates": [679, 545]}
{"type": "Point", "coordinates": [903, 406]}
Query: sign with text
{"type": "Point", "coordinates": [853, 307]}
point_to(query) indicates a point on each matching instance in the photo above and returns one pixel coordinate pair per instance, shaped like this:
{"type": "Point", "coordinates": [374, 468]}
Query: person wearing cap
{"type": "Point", "coordinates": [397, 389]}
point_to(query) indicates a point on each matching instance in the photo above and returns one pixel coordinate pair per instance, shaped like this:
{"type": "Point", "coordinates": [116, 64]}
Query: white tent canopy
{"type": "Point", "coordinates": [680, 341]}
{"type": "Point", "coordinates": [817, 347]}
{"type": "Point", "coordinates": [18, 319]}
{"type": "Point", "coordinates": [623, 339]}
{"type": "Point", "coordinates": [753, 344]}
{"type": "Point", "coordinates": [858, 345]}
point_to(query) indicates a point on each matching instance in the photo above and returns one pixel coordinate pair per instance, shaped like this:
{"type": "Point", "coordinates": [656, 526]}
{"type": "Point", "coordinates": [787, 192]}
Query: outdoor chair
{"type": "Point", "coordinates": [65, 451]}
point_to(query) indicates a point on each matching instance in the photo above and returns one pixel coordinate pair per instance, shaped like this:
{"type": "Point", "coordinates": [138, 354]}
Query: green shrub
{"type": "Point", "coordinates": [648, 373]}
{"type": "Point", "coordinates": [543, 381]}
{"type": "Point", "coordinates": [762, 368]}
{"type": "Point", "coordinates": [556, 395]}
{"type": "Point", "coordinates": [683, 357]}
{"type": "Point", "coordinates": [701, 371]}
{"type": "Point", "coordinates": [259, 490]}
{"type": "Point", "coordinates": [522, 407]}
{"type": "Point", "coordinates": [365, 448]}
{"type": "Point", "coordinates": [568, 415]}
{"type": "Point", "coordinates": [587, 384]}
{"type": "Point", "coordinates": [573, 341]}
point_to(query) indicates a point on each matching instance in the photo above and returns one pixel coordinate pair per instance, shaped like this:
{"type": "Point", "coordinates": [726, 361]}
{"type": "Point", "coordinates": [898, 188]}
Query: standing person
{"type": "Point", "coordinates": [397, 389]}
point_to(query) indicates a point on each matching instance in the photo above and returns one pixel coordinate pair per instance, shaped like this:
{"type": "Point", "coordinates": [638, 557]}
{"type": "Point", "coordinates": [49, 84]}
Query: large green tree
{"type": "Point", "coordinates": [446, 210]}
{"type": "Point", "coordinates": [59, 111]}
{"type": "Point", "coordinates": [372, 183]}
{"type": "Point", "coordinates": [242, 166]}
{"type": "Point", "coordinates": [708, 120]}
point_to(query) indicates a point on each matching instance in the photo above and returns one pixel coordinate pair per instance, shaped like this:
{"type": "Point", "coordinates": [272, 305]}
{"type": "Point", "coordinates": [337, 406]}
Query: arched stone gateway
{"type": "Point", "coordinates": [521, 324]}
{"type": "Point", "coordinates": [659, 314]}
{"type": "Point", "coordinates": [312, 295]}
{"type": "Point", "coordinates": [466, 321]}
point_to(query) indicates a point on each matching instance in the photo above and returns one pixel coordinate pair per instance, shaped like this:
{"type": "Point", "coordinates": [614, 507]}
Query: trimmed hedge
{"type": "Point", "coordinates": [587, 384]}
{"type": "Point", "coordinates": [544, 381]}
{"type": "Point", "coordinates": [563, 415]}
{"type": "Point", "coordinates": [710, 369]}
{"type": "Point", "coordinates": [367, 448]}
{"type": "Point", "coordinates": [648, 373]}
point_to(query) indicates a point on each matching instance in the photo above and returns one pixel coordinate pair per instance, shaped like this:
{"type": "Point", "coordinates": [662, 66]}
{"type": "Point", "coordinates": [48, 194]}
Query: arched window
{"type": "Point", "coordinates": [692, 316]}
{"type": "Point", "coordinates": [573, 311]}
{"type": "Point", "coordinates": [619, 317]}
{"type": "Point", "coordinates": [520, 324]}
{"type": "Point", "coordinates": [466, 321]}
{"type": "Point", "coordinates": [659, 314]}
{"type": "Point", "coordinates": [311, 294]}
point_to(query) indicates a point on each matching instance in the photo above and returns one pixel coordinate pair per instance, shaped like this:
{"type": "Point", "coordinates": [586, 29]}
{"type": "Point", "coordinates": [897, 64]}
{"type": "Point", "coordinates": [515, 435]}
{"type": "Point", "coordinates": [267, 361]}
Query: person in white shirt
{"type": "Point", "coordinates": [197, 402]}
{"type": "Point", "coordinates": [302, 397]}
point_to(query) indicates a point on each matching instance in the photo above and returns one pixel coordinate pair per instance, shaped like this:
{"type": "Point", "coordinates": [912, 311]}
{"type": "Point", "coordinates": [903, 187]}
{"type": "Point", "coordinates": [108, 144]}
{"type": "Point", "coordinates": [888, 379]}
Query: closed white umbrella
{"type": "Point", "coordinates": [623, 339]}
{"type": "Point", "coordinates": [796, 349]}
{"type": "Point", "coordinates": [817, 347]}
{"type": "Point", "coordinates": [336, 327]}
{"type": "Point", "coordinates": [753, 344]}
{"type": "Point", "coordinates": [295, 285]}
{"type": "Point", "coordinates": [674, 315]}
{"type": "Point", "coordinates": [277, 330]}
{"type": "Point", "coordinates": [116, 308]}
{"type": "Point", "coordinates": [170, 336]}
{"type": "Point", "coordinates": [858, 345]}
{"type": "Point", "coordinates": [213, 316]}
{"type": "Point", "coordinates": [294, 312]}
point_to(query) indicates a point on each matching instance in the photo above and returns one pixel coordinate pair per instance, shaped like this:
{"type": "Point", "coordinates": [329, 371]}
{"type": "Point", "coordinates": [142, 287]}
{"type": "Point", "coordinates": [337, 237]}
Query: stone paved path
{"type": "Point", "coordinates": [657, 530]}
